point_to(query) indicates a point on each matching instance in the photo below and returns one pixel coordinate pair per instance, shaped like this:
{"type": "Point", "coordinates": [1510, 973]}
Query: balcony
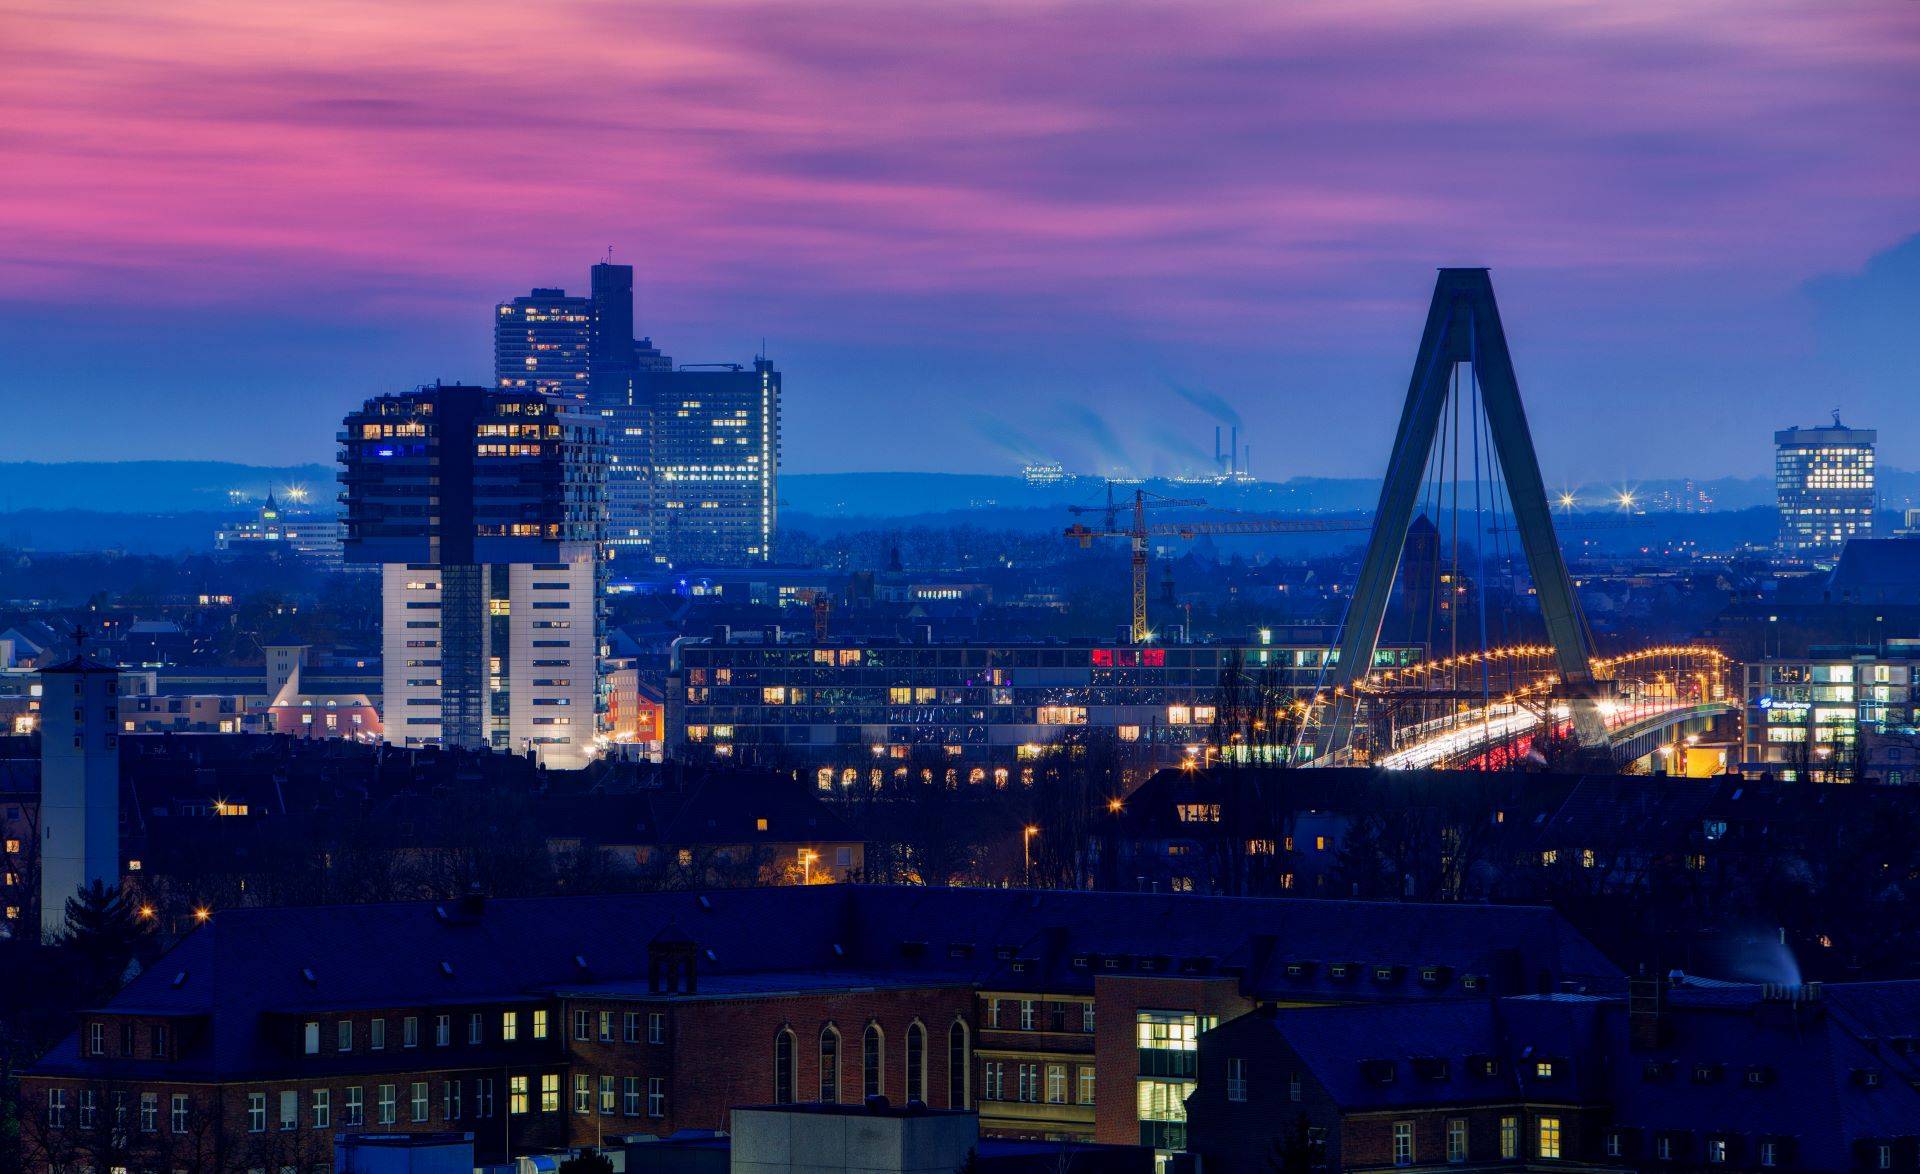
{"type": "Point", "coordinates": [1169, 1062]}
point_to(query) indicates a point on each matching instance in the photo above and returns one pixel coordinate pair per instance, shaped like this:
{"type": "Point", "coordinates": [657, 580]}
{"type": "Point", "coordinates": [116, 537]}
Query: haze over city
{"type": "Point", "coordinates": [1021, 227]}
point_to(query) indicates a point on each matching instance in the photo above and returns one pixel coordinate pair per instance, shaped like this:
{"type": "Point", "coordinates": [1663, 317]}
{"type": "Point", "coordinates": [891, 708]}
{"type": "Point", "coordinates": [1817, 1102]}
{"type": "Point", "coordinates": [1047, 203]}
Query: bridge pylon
{"type": "Point", "coordinates": [1463, 326]}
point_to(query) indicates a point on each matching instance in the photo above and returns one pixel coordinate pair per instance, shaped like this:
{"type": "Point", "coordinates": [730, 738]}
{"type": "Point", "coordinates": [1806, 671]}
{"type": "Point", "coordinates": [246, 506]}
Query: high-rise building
{"type": "Point", "coordinates": [542, 342]}
{"type": "Point", "coordinates": [1824, 481]}
{"type": "Point", "coordinates": [715, 464]}
{"type": "Point", "coordinates": [484, 510]}
{"type": "Point", "coordinates": [693, 453]}
{"type": "Point", "coordinates": [618, 368]}
{"type": "Point", "coordinates": [79, 783]}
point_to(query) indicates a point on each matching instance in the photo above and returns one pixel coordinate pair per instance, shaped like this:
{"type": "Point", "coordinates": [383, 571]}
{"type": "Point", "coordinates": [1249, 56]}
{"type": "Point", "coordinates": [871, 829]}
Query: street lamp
{"type": "Point", "coordinates": [807, 857]}
{"type": "Point", "coordinates": [1026, 843]}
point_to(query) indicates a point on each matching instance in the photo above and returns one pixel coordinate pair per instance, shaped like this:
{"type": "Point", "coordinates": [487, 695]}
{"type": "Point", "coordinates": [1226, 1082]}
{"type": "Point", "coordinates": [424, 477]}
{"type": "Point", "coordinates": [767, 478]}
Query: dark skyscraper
{"type": "Point", "coordinates": [484, 511]}
{"type": "Point", "coordinates": [610, 351]}
{"type": "Point", "coordinates": [541, 343]}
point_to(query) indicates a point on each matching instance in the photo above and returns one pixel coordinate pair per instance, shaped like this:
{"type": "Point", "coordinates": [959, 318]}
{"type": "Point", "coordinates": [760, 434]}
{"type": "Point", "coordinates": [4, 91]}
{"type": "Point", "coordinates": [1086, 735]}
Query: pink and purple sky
{"type": "Point", "coordinates": [972, 232]}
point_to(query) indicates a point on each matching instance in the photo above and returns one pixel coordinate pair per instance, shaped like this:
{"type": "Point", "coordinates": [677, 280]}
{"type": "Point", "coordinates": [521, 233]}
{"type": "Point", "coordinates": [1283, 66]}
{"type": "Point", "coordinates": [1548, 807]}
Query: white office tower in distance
{"type": "Point", "coordinates": [79, 783]}
{"type": "Point", "coordinates": [1824, 480]}
{"type": "Point", "coordinates": [484, 511]}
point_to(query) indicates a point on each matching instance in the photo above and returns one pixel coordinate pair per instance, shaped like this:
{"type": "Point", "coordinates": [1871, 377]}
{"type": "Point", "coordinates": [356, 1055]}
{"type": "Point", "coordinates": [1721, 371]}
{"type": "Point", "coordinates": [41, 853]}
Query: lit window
{"type": "Point", "coordinates": [1549, 1137]}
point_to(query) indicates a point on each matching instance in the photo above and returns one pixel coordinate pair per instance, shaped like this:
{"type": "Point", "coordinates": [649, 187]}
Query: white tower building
{"type": "Point", "coordinates": [79, 783]}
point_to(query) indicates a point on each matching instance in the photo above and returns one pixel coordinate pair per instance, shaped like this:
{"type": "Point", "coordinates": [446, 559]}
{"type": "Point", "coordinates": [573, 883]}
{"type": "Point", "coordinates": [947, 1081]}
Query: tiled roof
{"type": "Point", "coordinates": [248, 962]}
{"type": "Point", "coordinates": [1734, 1061]}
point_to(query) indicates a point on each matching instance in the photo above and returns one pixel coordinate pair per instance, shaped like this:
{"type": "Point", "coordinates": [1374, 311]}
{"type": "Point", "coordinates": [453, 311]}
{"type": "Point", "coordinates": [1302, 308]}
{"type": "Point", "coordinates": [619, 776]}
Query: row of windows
{"type": "Point", "coordinates": [1034, 1082]}
{"type": "Point", "coordinates": [873, 1050]}
{"type": "Point", "coordinates": [346, 1034]}
{"type": "Point", "coordinates": [1547, 1136]}
{"type": "Point", "coordinates": [588, 1025]}
{"type": "Point", "coordinates": [621, 1095]}
{"type": "Point", "coordinates": [319, 1104]}
{"type": "Point", "coordinates": [1032, 1015]}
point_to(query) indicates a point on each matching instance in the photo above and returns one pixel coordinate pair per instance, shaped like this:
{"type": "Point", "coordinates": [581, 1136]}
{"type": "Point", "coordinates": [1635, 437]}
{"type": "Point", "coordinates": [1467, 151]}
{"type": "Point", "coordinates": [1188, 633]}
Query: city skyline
{"type": "Point", "coordinates": [1078, 256]}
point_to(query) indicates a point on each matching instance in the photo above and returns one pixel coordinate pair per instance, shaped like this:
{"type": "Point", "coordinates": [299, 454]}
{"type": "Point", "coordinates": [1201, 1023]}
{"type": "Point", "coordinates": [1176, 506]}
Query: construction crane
{"type": "Point", "coordinates": [1139, 532]}
{"type": "Point", "coordinates": [821, 604]}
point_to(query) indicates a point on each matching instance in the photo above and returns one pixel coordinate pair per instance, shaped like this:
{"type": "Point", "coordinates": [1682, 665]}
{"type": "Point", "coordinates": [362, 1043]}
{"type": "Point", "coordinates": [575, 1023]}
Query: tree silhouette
{"type": "Point", "coordinates": [102, 933]}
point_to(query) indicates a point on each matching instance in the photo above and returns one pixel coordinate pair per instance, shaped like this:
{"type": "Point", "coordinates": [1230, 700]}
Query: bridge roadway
{"type": "Point", "coordinates": [1636, 728]}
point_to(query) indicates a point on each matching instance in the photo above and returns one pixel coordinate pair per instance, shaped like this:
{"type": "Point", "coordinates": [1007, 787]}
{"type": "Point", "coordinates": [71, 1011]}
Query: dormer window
{"type": "Point", "coordinates": [1430, 1068]}
{"type": "Point", "coordinates": [1543, 1069]}
{"type": "Point", "coordinates": [1471, 982]}
{"type": "Point", "coordinates": [1706, 1073]}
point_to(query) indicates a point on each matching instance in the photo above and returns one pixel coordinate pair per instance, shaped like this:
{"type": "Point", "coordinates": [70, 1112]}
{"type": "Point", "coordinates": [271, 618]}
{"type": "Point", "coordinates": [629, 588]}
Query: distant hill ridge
{"type": "Point", "coordinates": [150, 487]}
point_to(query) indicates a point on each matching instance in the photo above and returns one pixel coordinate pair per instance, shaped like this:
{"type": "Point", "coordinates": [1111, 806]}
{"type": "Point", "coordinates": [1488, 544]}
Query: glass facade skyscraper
{"type": "Point", "coordinates": [693, 453]}
{"type": "Point", "coordinates": [715, 465]}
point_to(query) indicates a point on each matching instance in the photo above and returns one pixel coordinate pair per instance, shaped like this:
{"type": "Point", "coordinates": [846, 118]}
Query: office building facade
{"type": "Point", "coordinates": [483, 510]}
{"type": "Point", "coordinates": [714, 465]}
{"type": "Point", "coordinates": [871, 712]}
{"type": "Point", "coordinates": [542, 343]}
{"type": "Point", "coordinates": [693, 452]}
{"type": "Point", "coordinates": [1835, 715]}
{"type": "Point", "coordinates": [1824, 481]}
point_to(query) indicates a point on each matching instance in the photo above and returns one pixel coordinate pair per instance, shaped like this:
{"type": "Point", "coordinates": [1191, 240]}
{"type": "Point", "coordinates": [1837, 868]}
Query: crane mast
{"type": "Point", "coordinates": [1139, 532]}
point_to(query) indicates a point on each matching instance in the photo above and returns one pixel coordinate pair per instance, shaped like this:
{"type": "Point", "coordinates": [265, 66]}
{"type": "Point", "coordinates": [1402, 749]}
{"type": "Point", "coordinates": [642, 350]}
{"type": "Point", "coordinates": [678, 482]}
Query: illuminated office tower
{"type": "Point", "coordinates": [484, 511]}
{"type": "Point", "coordinates": [1824, 481]}
{"type": "Point", "coordinates": [542, 343]}
{"type": "Point", "coordinates": [715, 464]}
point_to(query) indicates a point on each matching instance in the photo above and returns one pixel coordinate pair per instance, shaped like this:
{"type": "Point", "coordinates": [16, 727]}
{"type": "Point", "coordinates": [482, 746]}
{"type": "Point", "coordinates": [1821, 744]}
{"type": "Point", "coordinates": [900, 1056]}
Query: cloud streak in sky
{"type": "Point", "coordinates": [994, 202]}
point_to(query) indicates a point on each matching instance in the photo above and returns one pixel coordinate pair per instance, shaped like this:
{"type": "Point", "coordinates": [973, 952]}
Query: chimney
{"type": "Point", "coordinates": [1646, 1019]}
{"type": "Point", "coordinates": [1235, 467]}
{"type": "Point", "coordinates": [1260, 949]}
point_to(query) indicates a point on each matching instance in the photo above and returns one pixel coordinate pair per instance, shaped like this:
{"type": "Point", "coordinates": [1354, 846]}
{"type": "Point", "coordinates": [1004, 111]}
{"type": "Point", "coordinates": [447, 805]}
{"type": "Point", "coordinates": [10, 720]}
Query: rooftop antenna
{"type": "Point", "coordinates": [609, 254]}
{"type": "Point", "coordinates": [1836, 418]}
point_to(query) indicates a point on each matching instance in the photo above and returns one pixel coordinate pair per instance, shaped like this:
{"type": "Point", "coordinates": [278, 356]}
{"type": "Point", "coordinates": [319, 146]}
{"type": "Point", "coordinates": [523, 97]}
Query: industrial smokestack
{"type": "Point", "coordinates": [1234, 471]}
{"type": "Point", "coordinates": [1218, 463]}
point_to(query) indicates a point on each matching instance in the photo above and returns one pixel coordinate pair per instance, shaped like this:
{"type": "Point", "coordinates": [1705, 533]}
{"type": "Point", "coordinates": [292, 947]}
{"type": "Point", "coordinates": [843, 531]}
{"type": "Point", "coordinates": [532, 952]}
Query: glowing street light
{"type": "Point", "coordinates": [807, 857]}
{"type": "Point", "coordinates": [1026, 843]}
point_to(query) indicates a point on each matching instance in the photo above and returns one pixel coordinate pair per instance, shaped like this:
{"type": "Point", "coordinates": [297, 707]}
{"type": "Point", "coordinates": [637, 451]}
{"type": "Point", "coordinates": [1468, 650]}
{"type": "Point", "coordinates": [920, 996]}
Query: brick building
{"type": "Point", "coordinates": [546, 1022]}
{"type": "Point", "coordinates": [1678, 1075]}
